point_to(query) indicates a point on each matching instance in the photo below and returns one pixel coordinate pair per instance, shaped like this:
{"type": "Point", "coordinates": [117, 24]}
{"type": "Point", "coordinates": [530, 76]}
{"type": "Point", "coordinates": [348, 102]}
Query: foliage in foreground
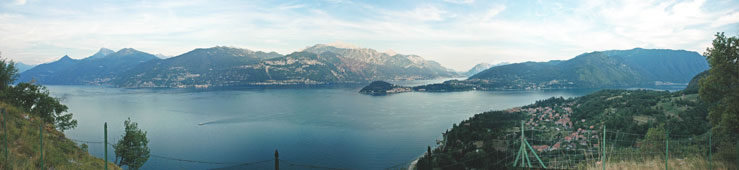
{"type": "Point", "coordinates": [132, 150]}
{"type": "Point", "coordinates": [720, 89]}
{"type": "Point", "coordinates": [33, 98]}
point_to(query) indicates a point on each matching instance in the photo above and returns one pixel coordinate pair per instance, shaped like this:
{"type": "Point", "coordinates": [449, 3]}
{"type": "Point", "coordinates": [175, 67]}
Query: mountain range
{"type": "Point", "coordinates": [100, 68]}
{"type": "Point", "coordinates": [612, 68]}
{"type": "Point", "coordinates": [334, 64]}
{"type": "Point", "coordinates": [227, 66]}
{"type": "Point", "coordinates": [615, 68]}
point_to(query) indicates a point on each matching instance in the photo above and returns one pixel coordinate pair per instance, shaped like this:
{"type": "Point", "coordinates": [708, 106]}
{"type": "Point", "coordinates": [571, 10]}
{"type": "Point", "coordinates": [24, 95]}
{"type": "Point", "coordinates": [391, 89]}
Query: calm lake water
{"type": "Point", "coordinates": [325, 126]}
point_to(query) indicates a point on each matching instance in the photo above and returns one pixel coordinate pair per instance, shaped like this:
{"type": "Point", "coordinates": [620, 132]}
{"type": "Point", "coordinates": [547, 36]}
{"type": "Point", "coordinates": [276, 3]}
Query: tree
{"type": "Point", "coordinates": [132, 149]}
{"type": "Point", "coordinates": [33, 98]}
{"type": "Point", "coordinates": [8, 73]}
{"type": "Point", "coordinates": [720, 88]}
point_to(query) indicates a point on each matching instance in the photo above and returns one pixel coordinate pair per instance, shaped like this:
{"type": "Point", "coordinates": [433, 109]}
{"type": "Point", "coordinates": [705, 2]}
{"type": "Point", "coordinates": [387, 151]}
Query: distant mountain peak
{"type": "Point", "coordinates": [66, 57]}
{"type": "Point", "coordinates": [102, 53]}
{"type": "Point", "coordinates": [105, 51]}
{"type": "Point", "coordinates": [478, 68]}
{"type": "Point", "coordinates": [225, 49]}
{"type": "Point", "coordinates": [342, 45]}
{"type": "Point", "coordinates": [127, 50]}
{"type": "Point", "coordinates": [162, 56]}
{"type": "Point", "coordinates": [333, 47]}
{"type": "Point", "coordinates": [481, 65]}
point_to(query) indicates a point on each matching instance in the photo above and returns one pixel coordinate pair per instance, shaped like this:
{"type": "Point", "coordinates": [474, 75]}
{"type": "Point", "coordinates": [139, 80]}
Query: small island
{"type": "Point", "coordinates": [383, 88]}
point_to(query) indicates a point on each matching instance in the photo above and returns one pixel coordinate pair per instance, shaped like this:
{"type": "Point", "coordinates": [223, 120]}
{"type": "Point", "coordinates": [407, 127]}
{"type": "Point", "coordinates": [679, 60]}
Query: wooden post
{"type": "Point", "coordinates": [710, 135]}
{"type": "Point", "coordinates": [105, 129]}
{"type": "Point", "coordinates": [277, 160]}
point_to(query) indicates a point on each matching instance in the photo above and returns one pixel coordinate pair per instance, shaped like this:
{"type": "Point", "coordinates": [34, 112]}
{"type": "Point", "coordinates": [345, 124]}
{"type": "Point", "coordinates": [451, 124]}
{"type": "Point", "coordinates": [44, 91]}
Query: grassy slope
{"type": "Point", "coordinates": [658, 163]}
{"type": "Point", "coordinates": [59, 152]}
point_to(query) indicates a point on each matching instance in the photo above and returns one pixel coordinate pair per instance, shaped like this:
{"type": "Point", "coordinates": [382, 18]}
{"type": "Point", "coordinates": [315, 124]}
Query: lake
{"type": "Point", "coordinates": [324, 126]}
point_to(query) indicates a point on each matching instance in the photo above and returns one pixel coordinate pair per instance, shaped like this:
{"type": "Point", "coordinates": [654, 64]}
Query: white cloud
{"type": "Point", "coordinates": [427, 13]}
{"type": "Point", "coordinates": [20, 2]}
{"type": "Point", "coordinates": [731, 18]}
{"type": "Point", "coordinates": [291, 6]}
{"type": "Point", "coordinates": [460, 1]}
{"type": "Point", "coordinates": [494, 11]}
{"type": "Point", "coordinates": [455, 36]}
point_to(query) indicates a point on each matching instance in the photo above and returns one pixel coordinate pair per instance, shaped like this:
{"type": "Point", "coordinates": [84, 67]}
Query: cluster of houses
{"type": "Point", "coordinates": [557, 121]}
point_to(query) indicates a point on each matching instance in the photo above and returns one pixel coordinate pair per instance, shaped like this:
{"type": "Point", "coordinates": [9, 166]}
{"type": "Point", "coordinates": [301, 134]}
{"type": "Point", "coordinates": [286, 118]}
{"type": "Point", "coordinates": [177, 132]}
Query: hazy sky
{"type": "Point", "coordinates": [456, 33]}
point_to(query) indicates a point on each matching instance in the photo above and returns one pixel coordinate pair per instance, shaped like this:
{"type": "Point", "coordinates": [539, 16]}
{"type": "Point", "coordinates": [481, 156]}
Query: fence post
{"type": "Point", "coordinates": [277, 160]}
{"type": "Point", "coordinates": [429, 151]}
{"type": "Point", "coordinates": [41, 141]}
{"type": "Point", "coordinates": [710, 135]}
{"type": "Point", "coordinates": [5, 132]}
{"type": "Point", "coordinates": [603, 159]}
{"type": "Point", "coordinates": [667, 148]}
{"type": "Point", "coordinates": [105, 128]}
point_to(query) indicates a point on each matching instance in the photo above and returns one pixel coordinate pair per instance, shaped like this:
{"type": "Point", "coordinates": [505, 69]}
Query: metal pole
{"type": "Point", "coordinates": [5, 132]}
{"type": "Point", "coordinates": [41, 141]}
{"type": "Point", "coordinates": [520, 149]}
{"type": "Point", "coordinates": [603, 159]}
{"type": "Point", "coordinates": [535, 155]}
{"type": "Point", "coordinates": [105, 128]}
{"type": "Point", "coordinates": [277, 160]}
{"type": "Point", "coordinates": [667, 149]}
{"type": "Point", "coordinates": [710, 135]}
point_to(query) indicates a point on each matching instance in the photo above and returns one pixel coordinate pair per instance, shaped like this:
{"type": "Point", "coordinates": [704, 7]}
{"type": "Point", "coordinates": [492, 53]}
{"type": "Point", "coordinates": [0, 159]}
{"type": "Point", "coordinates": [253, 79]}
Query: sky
{"type": "Point", "coordinates": [456, 33]}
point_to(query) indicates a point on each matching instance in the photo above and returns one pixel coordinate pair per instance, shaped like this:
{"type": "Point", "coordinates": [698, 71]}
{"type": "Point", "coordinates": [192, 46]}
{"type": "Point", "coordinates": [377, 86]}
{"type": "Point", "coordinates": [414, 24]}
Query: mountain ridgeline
{"type": "Point", "coordinates": [319, 64]}
{"type": "Point", "coordinates": [226, 66]}
{"type": "Point", "coordinates": [615, 68]}
{"type": "Point", "coordinates": [482, 67]}
{"type": "Point", "coordinates": [97, 69]}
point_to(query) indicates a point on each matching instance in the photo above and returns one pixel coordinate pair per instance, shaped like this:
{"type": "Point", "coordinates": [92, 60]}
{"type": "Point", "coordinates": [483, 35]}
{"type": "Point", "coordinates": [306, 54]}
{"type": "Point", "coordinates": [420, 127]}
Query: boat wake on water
{"type": "Point", "coordinates": [240, 120]}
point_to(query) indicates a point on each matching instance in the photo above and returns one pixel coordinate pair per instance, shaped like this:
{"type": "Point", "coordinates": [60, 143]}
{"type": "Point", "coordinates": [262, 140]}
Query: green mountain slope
{"type": "Point", "coordinates": [24, 146]}
{"type": "Point", "coordinates": [616, 68]}
{"type": "Point", "coordinates": [693, 85]}
{"type": "Point", "coordinates": [203, 66]}
{"type": "Point", "coordinates": [677, 66]}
